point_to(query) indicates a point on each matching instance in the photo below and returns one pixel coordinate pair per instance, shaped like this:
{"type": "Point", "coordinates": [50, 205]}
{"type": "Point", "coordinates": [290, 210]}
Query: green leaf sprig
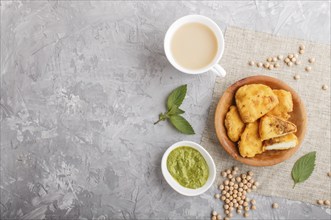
{"type": "Point", "coordinates": [303, 168]}
{"type": "Point", "coordinates": [173, 113]}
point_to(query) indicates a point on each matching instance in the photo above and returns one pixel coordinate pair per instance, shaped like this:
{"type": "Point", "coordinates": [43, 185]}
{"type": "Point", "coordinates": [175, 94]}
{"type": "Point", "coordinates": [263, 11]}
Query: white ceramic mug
{"type": "Point", "coordinates": [213, 66]}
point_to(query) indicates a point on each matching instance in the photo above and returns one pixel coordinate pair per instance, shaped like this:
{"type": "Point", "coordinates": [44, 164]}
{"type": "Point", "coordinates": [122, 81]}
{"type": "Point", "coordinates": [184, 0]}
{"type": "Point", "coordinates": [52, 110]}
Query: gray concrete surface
{"type": "Point", "coordinates": [82, 83]}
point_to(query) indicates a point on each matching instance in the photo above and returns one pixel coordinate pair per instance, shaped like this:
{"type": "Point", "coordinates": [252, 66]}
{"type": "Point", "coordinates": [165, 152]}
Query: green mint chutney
{"type": "Point", "coordinates": [188, 167]}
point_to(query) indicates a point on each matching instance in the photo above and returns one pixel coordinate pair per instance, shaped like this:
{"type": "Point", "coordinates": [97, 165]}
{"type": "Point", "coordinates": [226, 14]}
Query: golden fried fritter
{"type": "Point", "coordinates": [272, 126]}
{"type": "Point", "coordinates": [284, 106]}
{"type": "Point", "coordinates": [254, 101]}
{"type": "Point", "coordinates": [250, 143]}
{"type": "Point", "coordinates": [281, 143]}
{"type": "Point", "coordinates": [234, 124]}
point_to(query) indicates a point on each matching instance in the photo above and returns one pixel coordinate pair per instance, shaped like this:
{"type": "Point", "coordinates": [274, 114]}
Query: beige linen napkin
{"type": "Point", "coordinates": [241, 46]}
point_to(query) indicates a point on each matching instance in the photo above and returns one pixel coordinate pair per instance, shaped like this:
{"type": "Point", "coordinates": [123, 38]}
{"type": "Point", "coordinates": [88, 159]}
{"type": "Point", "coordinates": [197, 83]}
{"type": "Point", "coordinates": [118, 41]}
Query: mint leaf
{"type": "Point", "coordinates": [174, 110]}
{"type": "Point", "coordinates": [303, 168]}
{"type": "Point", "coordinates": [177, 96]}
{"type": "Point", "coordinates": [181, 124]}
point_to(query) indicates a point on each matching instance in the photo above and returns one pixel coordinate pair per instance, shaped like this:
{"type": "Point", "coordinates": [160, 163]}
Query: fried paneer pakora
{"type": "Point", "coordinates": [284, 106]}
{"type": "Point", "coordinates": [281, 143]}
{"type": "Point", "coordinates": [272, 126]}
{"type": "Point", "coordinates": [254, 101]}
{"type": "Point", "coordinates": [233, 123]}
{"type": "Point", "coordinates": [250, 143]}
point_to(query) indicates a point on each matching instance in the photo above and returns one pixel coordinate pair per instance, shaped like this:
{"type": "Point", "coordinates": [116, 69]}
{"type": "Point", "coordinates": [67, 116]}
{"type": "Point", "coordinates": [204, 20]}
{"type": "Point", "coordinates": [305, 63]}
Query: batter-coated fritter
{"type": "Point", "coordinates": [284, 106]}
{"type": "Point", "coordinates": [250, 143]}
{"type": "Point", "coordinates": [272, 126]}
{"type": "Point", "coordinates": [233, 123]}
{"type": "Point", "coordinates": [254, 101]}
{"type": "Point", "coordinates": [281, 143]}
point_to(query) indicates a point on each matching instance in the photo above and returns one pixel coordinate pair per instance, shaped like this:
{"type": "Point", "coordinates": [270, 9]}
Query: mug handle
{"type": "Point", "coordinates": [218, 70]}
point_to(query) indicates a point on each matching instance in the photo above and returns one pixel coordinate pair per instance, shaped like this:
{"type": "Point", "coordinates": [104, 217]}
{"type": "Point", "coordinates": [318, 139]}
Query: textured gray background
{"type": "Point", "coordinates": [82, 83]}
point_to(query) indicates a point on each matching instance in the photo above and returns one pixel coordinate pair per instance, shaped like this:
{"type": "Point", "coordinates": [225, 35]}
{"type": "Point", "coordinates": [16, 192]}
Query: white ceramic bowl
{"type": "Point", "coordinates": [174, 184]}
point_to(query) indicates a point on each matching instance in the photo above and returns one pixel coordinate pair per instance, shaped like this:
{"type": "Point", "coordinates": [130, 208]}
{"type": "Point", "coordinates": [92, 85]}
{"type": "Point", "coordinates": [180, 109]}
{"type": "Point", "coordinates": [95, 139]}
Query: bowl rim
{"type": "Point", "coordinates": [252, 80]}
{"type": "Point", "coordinates": [174, 184]}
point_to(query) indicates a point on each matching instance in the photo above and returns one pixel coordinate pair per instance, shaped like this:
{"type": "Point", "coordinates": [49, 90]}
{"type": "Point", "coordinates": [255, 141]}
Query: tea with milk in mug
{"type": "Point", "coordinates": [194, 46]}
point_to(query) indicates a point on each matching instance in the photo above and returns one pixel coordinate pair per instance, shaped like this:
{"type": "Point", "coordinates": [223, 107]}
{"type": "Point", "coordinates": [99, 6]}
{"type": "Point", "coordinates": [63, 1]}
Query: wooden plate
{"type": "Point", "coordinates": [268, 158]}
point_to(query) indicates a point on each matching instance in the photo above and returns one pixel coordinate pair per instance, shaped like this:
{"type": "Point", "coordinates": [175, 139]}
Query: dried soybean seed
{"type": "Point", "coordinates": [244, 181]}
{"type": "Point", "coordinates": [227, 195]}
{"type": "Point", "coordinates": [235, 186]}
{"type": "Point", "coordinates": [213, 218]}
{"type": "Point", "coordinates": [246, 214]}
{"type": "Point", "coordinates": [230, 215]}
{"type": "Point", "coordinates": [247, 200]}
{"type": "Point", "coordinates": [269, 59]}
{"type": "Point", "coordinates": [223, 174]}
{"type": "Point", "coordinates": [240, 207]}
{"type": "Point", "coordinates": [226, 188]}
{"type": "Point", "coordinates": [226, 182]}
{"type": "Point", "coordinates": [280, 57]}
{"type": "Point", "coordinates": [223, 198]}
{"type": "Point", "coordinates": [248, 177]}
{"type": "Point", "coordinates": [329, 173]}
{"type": "Point", "coordinates": [250, 173]}
{"type": "Point", "coordinates": [271, 67]}
{"type": "Point", "coordinates": [241, 202]}
{"type": "Point", "coordinates": [240, 194]}
{"type": "Point", "coordinates": [254, 187]}
{"type": "Point", "coordinates": [214, 213]}
{"type": "Point", "coordinates": [246, 208]}
{"type": "Point", "coordinates": [297, 62]}
{"type": "Point", "coordinates": [296, 55]}
{"type": "Point", "coordinates": [235, 168]}
{"type": "Point", "coordinates": [325, 87]}
{"type": "Point", "coordinates": [290, 64]}
{"type": "Point", "coordinates": [243, 176]}
{"type": "Point", "coordinates": [226, 218]}
{"type": "Point", "coordinates": [244, 193]}
{"type": "Point", "coordinates": [249, 185]}
{"type": "Point", "coordinates": [290, 56]}
{"type": "Point", "coordinates": [253, 202]}
{"type": "Point", "coordinates": [256, 184]}
{"type": "Point", "coordinates": [274, 59]}
{"type": "Point", "coordinates": [233, 172]}
{"type": "Point", "coordinates": [259, 64]}
{"type": "Point", "coordinates": [275, 205]}
{"type": "Point", "coordinates": [240, 189]}
{"type": "Point", "coordinates": [326, 202]}
{"type": "Point", "coordinates": [228, 171]}
{"type": "Point", "coordinates": [301, 51]}
{"type": "Point", "coordinates": [311, 60]}
{"type": "Point", "coordinates": [230, 209]}
{"type": "Point", "coordinates": [308, 68]}
{"type": "Point", "coordinates": [238, 179]}
{"type": "Point", "coordinates": [276, 65]}
{"type": "Point", "coordinates": [296, 76]}
{"type": "Point", "coordinates": [221, 187]}
{"type": "Point", "coordinates": [286, 60]}
{"type": "Point", "coordinates": [236, 205]}
{"type": "Point", "coordinates": [253, 207]}
{"type": "Point", "coordinates": [302, 47]}
{"type": "Point", "coordinates": [219, 217]}
{"type": "Point", "coordinates": [229, 176]}
{"type": "Point", "coordinates": [217, 196]}
{"type": "Point", "coordinates": [231, 198]}
{"type": "Point", "coordinates": [231, 204]}
{"type": "Point", "coordinates": [266, 65]}
{"type": "Point", "coordinates": [249, 190]}
{"type": "Point", "coordinates": [245, 204]}
{"type": "Point", "coordinates": [238, 211]}
{"type": "Point", "coordinates": [231, 183]}
{"type": "Point", "coordinates": [223, 192]}
{"type": "Point", "coordinates": [245, 187]}
{"type": "Point", "coordinates": [251, 63]}
{"type": "Point", "coordinates": [226, 206]}
{"type": "Point", "coordinates": [227, 201]}
{"type": "Point", "coordinates": [320, 202]}
{"type": "Point", "coordinates": [233, 179]}
{"type": "Point", "coordinates": [226, 212]}
{"type": "Point", "coordinates": [293, 59]}
{"type": "Point", "coordinates": [231, 188]}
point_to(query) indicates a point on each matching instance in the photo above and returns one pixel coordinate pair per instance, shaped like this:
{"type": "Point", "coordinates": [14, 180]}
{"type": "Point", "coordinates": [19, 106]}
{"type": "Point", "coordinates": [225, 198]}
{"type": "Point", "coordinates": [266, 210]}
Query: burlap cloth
{"type": "Point", "coordinates": [242, 46]}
